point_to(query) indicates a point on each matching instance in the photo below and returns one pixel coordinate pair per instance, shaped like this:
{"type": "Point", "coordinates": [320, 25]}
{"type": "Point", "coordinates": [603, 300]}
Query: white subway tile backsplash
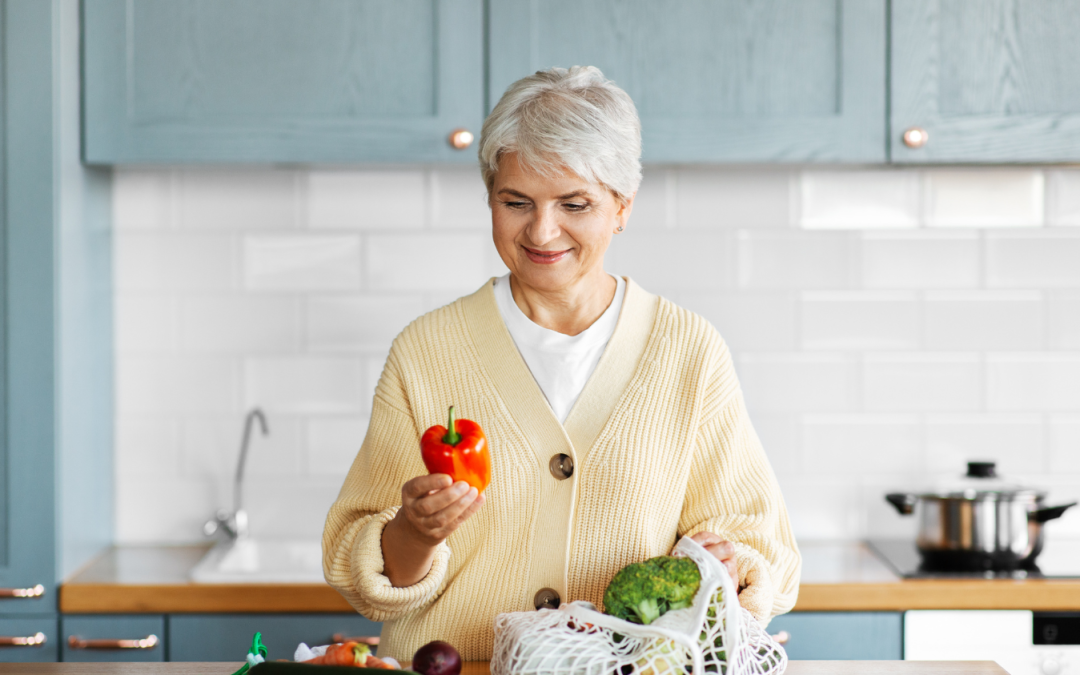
{"type": "Point", "coordinates": [176, 385]}
{"type": "Point", "coordinates": [147, 445]}
{"type": "Point", "coordinates": [858, 199]}
{"type": "Point", "coordinates": [366, 200]}
{"type": "Point", "coordinates": [1033, 259]}
{"type": "Point", "coordinates": [654, 202]}
{"type": "Point", "coordinates": [708, 198]}
{"type": "Point", "coordinates": [169, 510]}
{"type": "Point", "coordinates": [781, 438]}
{"type": "Point", "coordinates": [283, 288]}
{"type": "Point", "coordinates": [673, 261]}
{"type": "Point", "coordinates": [797, 260]}
{"type": "Point", "coordinates": [240, 324]}
{"type": "Point", "coordinates": [304, 385]}
{"type": "Point", "coordinates": [860, 320]}
{"type": "Point", "coordinates": [142, 199]}
{"type": "Point", "coordinates": [984, 320]}
{"type": "Point", "coordinates": [922, 259]}
{"type": "Point", "coordinates": [302, 262]}
{"type": "Point", "coordinates": [984, 198]}
{"type": "Point", "coordinates": [459, 199]}
{"type": "Point", "coordinates": [759, 321]}
{"type": "Point", "coordinates": [1064, 444]}
{"type": "Point", "coordinates": [167, 261]}
{"type": "Point", "coordinates": [144, 323]}
{"type": "Point", "coordinates": [798, 382]}
{"type": "Point", "coordinates": [1063, 197]}
{"type": "Point", "coordinates": [332, 444]}
{"type": "Point", "coordinates": [1014, 442]}
{"type": "Point", "coordinates": [1033, 382]}
{"type": "Point", "coordinates": [247, 198]}
{"type": "Point", "coordinates": [354, 322]}
{"type": "Point", "coordinates": [861, 444]}
{"type": "Point", "coordinates": [922, 382]}
{"type": "Point", "coordinates": [210, 447]}
{"type": "Point", "coordinates": [1063, 319]}
{"type": "Point", "coordinates": [428, 262]}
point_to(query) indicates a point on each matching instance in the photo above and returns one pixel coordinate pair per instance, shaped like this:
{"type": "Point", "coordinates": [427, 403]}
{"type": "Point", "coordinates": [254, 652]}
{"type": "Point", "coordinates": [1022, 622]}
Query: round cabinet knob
{"type": "Point", "coordinates": [546, 598]}
{"type": "Point", "coordinates": [1050, 666]}
{"type": "Point", "coordinates": [561, 466]}
{"type": "Point", "coordinates": [460, 139]}
{"type": "Point", "coordinates": [916, 137]}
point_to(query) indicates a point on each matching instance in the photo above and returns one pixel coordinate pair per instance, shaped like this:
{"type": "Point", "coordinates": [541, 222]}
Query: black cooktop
{"type": "Point", "coordinates": [1060, 559]}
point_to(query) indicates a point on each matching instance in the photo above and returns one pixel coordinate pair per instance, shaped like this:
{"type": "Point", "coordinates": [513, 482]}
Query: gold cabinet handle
{"type": "Point", "coordinates": [148, 642]}
{"type": "Point", "coordinates": [916, 137]}
{"type": "Point", "coordinates": [35, 640]}
{"type": "Point", "coordinates": [35, 592]}
{"type": "Point", "coordinates": [782, 637]}
{"type": "Point", "coordinates": [460, 139]}
{"type": "Point", "coordinates": [364, 640]}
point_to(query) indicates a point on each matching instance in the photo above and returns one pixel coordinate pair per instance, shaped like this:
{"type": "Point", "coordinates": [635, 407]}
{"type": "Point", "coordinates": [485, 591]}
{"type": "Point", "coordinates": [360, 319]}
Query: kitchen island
{"type": "Point", "coordinates": [481, 668]}
{"type": "Point", "coordinates": [837, 577]}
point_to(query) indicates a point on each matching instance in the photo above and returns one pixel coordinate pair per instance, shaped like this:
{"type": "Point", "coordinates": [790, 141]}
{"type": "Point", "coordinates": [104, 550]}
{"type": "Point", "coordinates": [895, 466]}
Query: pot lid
{"type": "Point", "coordinates": [981, 482]}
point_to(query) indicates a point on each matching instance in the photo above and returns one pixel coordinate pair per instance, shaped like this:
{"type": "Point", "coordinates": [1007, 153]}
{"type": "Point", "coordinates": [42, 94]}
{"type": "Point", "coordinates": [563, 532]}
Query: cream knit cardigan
{"type": "Point", "coordinates": [662, 447]}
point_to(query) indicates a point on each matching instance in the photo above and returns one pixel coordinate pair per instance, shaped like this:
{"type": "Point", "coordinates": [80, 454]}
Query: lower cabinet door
{"type": "Point", "coordinates": [28, 638]}
{"type": "Point", "coordinates": [841, 636]}
{"type": "Point", "coordinates": [113, 638]}
{"type": "Point", "coordinates": [227, 637]}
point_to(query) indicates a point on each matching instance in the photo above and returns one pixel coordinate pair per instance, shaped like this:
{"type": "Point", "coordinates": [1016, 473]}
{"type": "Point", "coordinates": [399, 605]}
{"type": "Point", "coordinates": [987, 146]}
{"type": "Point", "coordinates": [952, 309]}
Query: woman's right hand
{"type": "Point", "coordinates": [432, 507]}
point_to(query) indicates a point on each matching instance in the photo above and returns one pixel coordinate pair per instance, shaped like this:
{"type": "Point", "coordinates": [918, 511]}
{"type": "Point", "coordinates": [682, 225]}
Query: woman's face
{"type": "Point", "coordinates": [552, 231]}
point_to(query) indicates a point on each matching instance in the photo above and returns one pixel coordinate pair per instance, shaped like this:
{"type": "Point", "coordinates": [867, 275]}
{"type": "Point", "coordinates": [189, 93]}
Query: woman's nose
{"type": "Point", "coordinates": [545, 227]}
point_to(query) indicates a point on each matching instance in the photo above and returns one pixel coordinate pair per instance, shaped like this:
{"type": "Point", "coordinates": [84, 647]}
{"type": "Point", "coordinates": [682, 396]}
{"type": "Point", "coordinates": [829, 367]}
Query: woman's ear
{"type": "Point", "coordinates": [623, 214]}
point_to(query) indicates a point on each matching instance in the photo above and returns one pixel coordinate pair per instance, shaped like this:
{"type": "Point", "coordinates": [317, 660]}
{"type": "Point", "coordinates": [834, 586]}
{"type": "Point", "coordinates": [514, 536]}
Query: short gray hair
{"type": "Point", "coordinates": [572, 118]}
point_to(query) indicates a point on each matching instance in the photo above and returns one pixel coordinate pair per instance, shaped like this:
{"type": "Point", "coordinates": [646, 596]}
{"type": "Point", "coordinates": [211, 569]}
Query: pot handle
{"type": "Point", "coordinates": [1049, 513]}
{"type": "Point", "coordinates": [903, 502]}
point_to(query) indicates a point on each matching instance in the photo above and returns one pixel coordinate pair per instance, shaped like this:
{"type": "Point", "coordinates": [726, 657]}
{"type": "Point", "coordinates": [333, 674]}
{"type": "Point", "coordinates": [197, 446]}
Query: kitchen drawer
{"type": "Point", "coordinates": [25, 627]}
{"type": "Point", "coordinates": [227, 637]}
{"type": "Point", "coordinates": [841, 636]}
{"type": "Point", "coordinates": [113, 638]}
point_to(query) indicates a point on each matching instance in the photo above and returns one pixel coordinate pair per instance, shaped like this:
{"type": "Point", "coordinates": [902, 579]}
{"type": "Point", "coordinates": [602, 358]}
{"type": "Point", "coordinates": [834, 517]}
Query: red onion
{"type": "Point", "coordinates": [437, 658]}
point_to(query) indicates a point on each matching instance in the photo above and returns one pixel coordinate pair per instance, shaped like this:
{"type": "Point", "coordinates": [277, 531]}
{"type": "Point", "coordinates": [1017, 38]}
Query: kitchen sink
{"type": "Point", "coordinates": [250, 560]}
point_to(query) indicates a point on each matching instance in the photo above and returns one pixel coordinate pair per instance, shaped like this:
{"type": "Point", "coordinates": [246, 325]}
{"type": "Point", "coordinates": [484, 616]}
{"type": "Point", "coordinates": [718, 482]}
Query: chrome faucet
{"type": "Point", "coordinates": [235, 524]}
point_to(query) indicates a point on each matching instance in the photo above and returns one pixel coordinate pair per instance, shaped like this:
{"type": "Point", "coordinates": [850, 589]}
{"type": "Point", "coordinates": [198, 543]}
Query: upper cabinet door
{"type": "Point", "coordinates": [280, 80]}
{"type": "Point", "coordinates": [717, 80]}
{"type": "Point", "coordinates": [987, 80]}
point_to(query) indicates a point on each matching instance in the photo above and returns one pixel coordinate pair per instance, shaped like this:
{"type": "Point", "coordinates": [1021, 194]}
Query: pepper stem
{"type": "Point", "coordinates": [452, 437]}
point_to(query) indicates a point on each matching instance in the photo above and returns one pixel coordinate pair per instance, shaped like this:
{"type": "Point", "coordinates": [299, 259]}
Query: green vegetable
{"type": "Point", "coordinates": [643, 592]}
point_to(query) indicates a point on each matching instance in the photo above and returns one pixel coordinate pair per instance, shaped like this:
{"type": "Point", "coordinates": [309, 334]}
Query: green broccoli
{"type": "Point", "coordinates": [643, 592]}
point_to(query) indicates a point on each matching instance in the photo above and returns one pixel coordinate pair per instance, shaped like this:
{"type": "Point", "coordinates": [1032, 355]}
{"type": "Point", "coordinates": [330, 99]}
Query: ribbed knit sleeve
{"type": "Point", "coordinates": [732, 492]}
{"type": "Point", "coordinates": [371, 496]}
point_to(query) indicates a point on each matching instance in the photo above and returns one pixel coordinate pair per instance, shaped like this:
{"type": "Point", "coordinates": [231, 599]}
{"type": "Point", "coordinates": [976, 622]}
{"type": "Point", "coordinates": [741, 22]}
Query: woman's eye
{"type": "Point", "coordinates": [576, 207]}
{"type": "Point", "coordinates": [516, 205]}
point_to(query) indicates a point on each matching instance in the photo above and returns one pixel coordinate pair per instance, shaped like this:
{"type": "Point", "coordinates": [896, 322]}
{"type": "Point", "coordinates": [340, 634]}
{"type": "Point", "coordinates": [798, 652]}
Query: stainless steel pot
{"type": "Point", "coordinates": [981, 524]}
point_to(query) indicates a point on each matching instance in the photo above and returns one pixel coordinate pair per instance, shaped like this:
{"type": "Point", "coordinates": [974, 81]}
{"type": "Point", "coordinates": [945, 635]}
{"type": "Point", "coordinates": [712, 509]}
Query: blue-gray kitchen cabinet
{"type": "Point", "coordinates": [842, 636]}
{"type": "Point", "coordinates": [989, 80]}
{"type": "Point", "coordinates": [758, 81]}
{"type": "Point", "coordinates": [113, 638]}
{"type": "Point", "coordinates": [55, 340]}
{"type": "Point", "coordinates": [226, 637]}
{"type": "Point", "coordinates": [280, 80]}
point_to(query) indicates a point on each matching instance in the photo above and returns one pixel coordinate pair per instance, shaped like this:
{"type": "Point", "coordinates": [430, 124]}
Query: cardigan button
{"type": "Point", "coordinates": [546, 598]}
{"type": "Point", "coordinates": [561, 466]}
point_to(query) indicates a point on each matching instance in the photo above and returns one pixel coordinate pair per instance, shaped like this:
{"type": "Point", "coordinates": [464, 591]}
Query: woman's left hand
{"type": "Point", "coordinates": [723, 550]}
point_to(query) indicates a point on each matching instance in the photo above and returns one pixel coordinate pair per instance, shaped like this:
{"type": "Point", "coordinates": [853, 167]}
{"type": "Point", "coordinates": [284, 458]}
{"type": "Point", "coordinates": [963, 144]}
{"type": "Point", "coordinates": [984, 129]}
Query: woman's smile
{"type": "Point", "coordinates": [545, 257]}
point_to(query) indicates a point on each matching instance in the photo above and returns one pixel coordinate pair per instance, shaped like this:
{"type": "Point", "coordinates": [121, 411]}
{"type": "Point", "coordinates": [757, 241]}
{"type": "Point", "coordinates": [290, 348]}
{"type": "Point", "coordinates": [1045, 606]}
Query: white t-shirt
{"type": "Point", "coordinates": [560, 363]}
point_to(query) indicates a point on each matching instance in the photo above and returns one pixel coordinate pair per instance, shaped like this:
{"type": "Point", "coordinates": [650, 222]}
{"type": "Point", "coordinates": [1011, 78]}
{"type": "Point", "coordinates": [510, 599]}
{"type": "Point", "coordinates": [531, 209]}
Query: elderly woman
{"type": "Point", "coordinates": [615, 420]}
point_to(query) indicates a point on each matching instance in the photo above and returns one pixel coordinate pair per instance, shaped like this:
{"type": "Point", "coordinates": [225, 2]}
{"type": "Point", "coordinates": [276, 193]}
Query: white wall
{"type": "Point", "coordinates": [887, 325]}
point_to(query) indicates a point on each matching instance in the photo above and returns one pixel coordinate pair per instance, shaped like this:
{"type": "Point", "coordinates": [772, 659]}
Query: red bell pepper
{"type": "Point", "coordinates": [460, 450]}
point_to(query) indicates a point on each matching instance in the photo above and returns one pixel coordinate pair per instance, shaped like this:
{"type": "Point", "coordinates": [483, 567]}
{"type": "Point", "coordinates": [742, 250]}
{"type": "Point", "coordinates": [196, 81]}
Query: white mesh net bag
{"type": "Point", "coordinates": [714, 635]}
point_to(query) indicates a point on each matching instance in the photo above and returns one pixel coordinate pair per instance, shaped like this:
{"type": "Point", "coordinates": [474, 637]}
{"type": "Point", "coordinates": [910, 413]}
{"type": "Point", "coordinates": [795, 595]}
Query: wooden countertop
{"type": "Point", "coordinates": [481, 668]}
{"type": "Point", "coordinates": [836, 577]}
